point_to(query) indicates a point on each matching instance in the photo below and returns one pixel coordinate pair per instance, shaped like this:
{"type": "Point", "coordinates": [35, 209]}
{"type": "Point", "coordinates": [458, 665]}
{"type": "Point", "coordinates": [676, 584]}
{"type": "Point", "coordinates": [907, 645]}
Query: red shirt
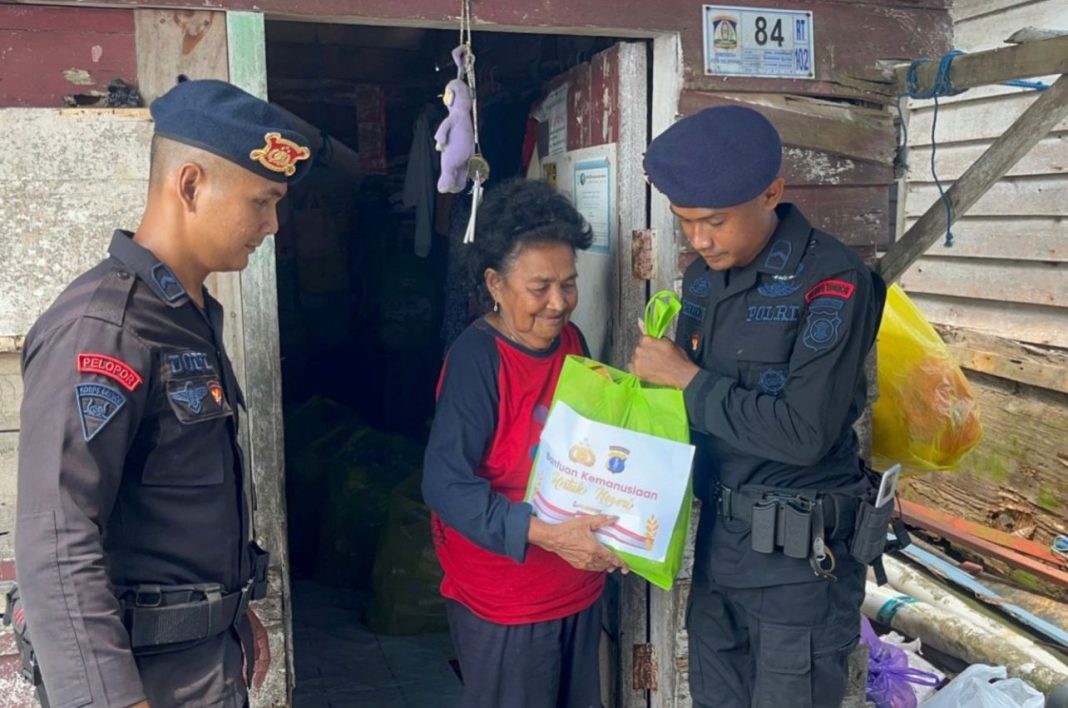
{"type": "Point", "coordinates": [493, 400]}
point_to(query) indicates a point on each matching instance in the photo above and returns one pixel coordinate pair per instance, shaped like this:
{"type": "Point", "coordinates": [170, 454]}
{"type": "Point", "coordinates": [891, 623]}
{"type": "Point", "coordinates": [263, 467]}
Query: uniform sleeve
{"type": "Point", "coordinates": [76, 428]}
{"type": "Point", "coordinates": [463, 430]}
{"type": "Point", "coordinates": [802, 422]}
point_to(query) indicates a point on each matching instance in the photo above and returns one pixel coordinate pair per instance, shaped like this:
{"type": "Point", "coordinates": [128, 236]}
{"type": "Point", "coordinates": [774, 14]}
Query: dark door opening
{"type": "Point", "coordinates": [370, 295]}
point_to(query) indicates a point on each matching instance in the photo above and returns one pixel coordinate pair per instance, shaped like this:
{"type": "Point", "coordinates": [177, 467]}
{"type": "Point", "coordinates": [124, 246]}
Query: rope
{"type": "Point", "coordinates": [941, 86]}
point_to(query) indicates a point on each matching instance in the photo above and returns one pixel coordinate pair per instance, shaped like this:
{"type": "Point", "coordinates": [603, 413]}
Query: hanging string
{"type": "Point", "coordinates": [941, 86]}
{"type": "Point", "coordinates": [468, 69]}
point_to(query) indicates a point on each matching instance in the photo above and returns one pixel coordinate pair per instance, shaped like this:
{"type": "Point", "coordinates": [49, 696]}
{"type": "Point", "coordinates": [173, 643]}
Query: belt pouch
{"type": "Point", "coordinates": [797, 529]}
{"type": "Point", "coordinates": [869, 533]}
{"type": "Point", "coordinates": [762, 533]}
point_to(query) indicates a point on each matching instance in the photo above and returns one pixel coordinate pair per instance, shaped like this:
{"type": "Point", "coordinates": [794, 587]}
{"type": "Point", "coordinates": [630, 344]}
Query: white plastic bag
{"type": "Point", "coordinates": [982, 686]}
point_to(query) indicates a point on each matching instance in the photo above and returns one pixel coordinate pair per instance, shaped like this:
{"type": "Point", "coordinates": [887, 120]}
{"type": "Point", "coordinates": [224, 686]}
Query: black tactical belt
{"type": "Point", "coordinates": [167, 617]}
{"type": "Point", "coordinates": [839, 512]}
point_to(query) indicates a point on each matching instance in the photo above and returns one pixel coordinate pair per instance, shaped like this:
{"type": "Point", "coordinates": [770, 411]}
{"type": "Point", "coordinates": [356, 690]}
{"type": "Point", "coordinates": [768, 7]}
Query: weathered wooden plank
{"type": "Point", "coordinates": [667, 627]}
{"type": "Point", "coordinates": [1049, 157]}
{"type": "Point", "coordinates": [258, 305]}
{"type": "Point", "coordinates": [986, 279]}
{"type": "Point", "coordinates": [632, 83]}
{"type": "Point", "coordinates": [991, 29]}
{"type": "Point", "coordinates": [858, 216]}
{"type": "Point", "coordinates": [1014, 479]}
{"type": "Point", "coordinates": [1016, 238]}
{"type": "Point", "coordinates": [48, 53]}
{"type": "Point", "coordinates": [1021, 61]}
{"type": "Point", "coordinates": [1050, 108]}
{"type": "Point", "coordinates": [173, 42]}
{"type": "Point", "coordinates": [10, 391]}
{"type": "Point", "coordinates": [667, 89]}
{"type": "Point", "coordinates": [807, 167]}
{"type": "Point", "coordinates": [1007, 359]}
{"type": "Point", "coordinates": [58, 209]}
{"type": "Point", "coordinates": [834, 128]}
{"type": "Point", "coordinates": [984, 119]}
{"type": "Point", "coordinates": [964, 10]}
{"type": "Point", "coordinates": [633, 630]}
{"type": "Point", "coordinates": [1035, 324]}
{"type": "Point", "coordinates": [1013, 196]}
{"type": "Point", "coordinates": [604, 97]}
{"type": "Point", "coordinates": [9, 450]}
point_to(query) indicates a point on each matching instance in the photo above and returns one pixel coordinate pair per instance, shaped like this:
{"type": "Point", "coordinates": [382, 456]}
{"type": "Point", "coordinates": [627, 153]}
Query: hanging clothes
{"type": "Point", "coordinates": [419, 192]}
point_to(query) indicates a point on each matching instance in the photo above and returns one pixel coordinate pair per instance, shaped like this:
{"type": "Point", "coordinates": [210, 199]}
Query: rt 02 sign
{"type": "Point", "coordinates": [762, 42]}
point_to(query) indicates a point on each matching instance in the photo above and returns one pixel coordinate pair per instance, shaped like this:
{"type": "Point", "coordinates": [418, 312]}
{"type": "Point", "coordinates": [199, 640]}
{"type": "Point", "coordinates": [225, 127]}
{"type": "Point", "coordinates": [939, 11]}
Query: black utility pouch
{"type": "Point", "coordinates": [762, 531]}
{"type": "Point", "coordinates": [869, 533]}
{"type": "Point", "coordinates": [796, 531]}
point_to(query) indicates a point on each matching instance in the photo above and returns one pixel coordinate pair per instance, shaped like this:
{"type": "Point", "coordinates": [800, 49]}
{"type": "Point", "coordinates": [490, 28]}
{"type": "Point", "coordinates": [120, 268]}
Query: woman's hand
{"type": "Point", "coordinates": [574, 541]}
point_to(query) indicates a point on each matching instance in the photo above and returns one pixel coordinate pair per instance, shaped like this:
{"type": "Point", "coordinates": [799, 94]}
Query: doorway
{"type": "Point", "coordinates": [373, 285]}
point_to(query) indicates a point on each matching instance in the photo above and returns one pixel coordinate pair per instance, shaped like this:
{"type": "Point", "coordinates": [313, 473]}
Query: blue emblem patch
{"type": "Point", "coordinates": [701, 287]}
{"type": "Point", "coordinates": [693, 310]}
{"type": "Point", "coordinates": [97, 405]}
{"type": "Point", "coordinates": [167, 282]}
{"type": "Point", "coordinates": [192, 397]}
{"type": "Point", "coordinates": [772, 381]}
{"type": "Point", "coordinates": [779, 255]}
{"type": "Point", "coordinates": [822, 324]}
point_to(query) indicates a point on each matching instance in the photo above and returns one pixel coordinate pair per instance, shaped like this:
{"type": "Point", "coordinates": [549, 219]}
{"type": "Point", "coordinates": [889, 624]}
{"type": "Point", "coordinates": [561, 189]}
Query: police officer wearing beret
{"type": "Point", "coordinates": [778, 319]}
{"type": "Point", "coordinates": [134, 563]}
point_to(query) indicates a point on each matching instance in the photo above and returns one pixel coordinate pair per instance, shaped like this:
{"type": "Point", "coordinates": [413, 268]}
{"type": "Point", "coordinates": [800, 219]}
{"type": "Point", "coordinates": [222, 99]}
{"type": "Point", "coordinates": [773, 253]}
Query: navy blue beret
{"type": "Point", "coordinates": [716, 158]}
{"type": "Point", "coordinates": [221, 118]}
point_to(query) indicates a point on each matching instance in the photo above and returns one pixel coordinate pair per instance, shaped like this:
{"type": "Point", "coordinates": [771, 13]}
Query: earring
{"type": "Point", "coordinates": [496, 306]}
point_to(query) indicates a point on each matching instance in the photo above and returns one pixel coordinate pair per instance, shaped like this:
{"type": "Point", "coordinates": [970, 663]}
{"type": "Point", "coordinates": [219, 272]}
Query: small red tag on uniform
{"type": "Point", "coordinates": [111, 367]}
{"type": "Point", "coordinates": [831, 288]}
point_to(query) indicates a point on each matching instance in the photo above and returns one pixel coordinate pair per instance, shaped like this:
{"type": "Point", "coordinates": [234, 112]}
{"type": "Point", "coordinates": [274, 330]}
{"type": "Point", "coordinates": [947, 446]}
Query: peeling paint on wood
{"type": "Point", "coordinates": [47, 53]}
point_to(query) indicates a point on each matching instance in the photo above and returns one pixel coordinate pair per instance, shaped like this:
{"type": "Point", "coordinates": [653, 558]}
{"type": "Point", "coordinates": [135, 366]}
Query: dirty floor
{"type": "Point", "coordinates": [341, 664]}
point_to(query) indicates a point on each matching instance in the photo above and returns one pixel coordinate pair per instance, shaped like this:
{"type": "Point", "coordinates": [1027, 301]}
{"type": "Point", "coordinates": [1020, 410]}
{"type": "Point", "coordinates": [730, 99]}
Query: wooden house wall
{"type": "Point", "coordinates": [1000, 294]}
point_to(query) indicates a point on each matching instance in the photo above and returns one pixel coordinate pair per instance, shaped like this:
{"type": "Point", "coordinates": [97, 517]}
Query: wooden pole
{"type": "Point", "coordinates": [1036, 122]}
{"type": "Point", "coordinates": [1022, 61]}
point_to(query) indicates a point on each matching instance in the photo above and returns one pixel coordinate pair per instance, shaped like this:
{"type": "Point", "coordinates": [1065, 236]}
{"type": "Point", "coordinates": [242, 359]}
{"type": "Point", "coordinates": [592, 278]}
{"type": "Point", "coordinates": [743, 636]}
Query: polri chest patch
{"type": "Point", "coordinates": [196, 400]}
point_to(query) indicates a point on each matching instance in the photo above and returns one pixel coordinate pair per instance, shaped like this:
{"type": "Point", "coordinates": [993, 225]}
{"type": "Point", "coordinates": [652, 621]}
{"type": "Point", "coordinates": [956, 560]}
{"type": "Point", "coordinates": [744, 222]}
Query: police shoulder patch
{"type": "Point", "coordinates": [822, 324]}
{"type": "Point", "coordinates": [97, 406]}
{"type": "Point", "coordinates": [831, 288]}
{"type": "Point", "coordinates": [115, 369]}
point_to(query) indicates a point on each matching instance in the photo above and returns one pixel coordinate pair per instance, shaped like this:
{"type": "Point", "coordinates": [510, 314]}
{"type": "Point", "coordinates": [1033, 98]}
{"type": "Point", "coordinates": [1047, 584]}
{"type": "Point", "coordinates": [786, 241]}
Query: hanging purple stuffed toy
{"type": "Point", "coordinates": [456, 134]}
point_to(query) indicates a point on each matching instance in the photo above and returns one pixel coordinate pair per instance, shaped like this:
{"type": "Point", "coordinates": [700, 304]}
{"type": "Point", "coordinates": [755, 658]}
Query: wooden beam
{"type": "Point", "coordinates": [1022, 61]}
{"type": "Point", "coordinates": [252, 335]}
{"type": "Point", "coordinates": [1007, 358]}
{"type": "Point", "coordinates": [962, 533]}
{"type": "Point", "coordinates": [1047, 110]}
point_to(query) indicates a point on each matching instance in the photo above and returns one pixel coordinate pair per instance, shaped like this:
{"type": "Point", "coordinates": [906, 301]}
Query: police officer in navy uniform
{"type": "Point", "coordinates": [134, 563]}
{"type": "Point", "coordinates": [778, 319]}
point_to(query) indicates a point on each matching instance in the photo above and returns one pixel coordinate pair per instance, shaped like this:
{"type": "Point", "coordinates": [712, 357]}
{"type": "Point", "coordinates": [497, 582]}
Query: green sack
{"type": "Point", "coordinates": [613, 397]}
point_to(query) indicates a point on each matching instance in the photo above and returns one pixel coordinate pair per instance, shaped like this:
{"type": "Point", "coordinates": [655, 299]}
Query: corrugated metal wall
{"type": "Point", "coordinates": [1007, 275]}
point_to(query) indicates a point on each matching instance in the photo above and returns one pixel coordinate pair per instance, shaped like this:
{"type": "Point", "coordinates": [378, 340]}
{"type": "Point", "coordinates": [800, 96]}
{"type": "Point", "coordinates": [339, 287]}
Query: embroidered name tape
{"type": "Point", "coordinates": [115, 369]}
{"type": "Point", "coordinates": [831, 288]}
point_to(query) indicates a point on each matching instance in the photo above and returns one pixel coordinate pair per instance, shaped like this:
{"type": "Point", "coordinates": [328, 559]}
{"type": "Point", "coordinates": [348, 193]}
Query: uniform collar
{"type": "Point", "coordinates": [161, 279]}
{"type": "Point", "coordinates": [787, 244]}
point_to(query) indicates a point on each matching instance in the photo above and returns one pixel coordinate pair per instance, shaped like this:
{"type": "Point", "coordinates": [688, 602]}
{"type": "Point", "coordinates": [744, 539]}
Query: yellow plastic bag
{"type": "Point", "coordinates": [926, 415]}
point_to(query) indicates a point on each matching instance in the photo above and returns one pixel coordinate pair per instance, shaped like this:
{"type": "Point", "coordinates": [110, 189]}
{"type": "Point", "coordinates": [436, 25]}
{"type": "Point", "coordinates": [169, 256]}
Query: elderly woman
{"type": "Point", "coordinates": [522, 595]}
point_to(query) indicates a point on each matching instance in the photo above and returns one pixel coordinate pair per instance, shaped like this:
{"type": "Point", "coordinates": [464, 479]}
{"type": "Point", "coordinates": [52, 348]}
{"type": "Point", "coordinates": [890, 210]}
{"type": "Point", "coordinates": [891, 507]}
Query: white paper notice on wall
{"type": "Point", "coordinates": [760, 42]}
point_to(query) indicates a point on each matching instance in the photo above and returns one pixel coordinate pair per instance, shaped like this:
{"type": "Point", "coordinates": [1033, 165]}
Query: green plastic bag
{"type": "Point", "coordinates": [606, 395]}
